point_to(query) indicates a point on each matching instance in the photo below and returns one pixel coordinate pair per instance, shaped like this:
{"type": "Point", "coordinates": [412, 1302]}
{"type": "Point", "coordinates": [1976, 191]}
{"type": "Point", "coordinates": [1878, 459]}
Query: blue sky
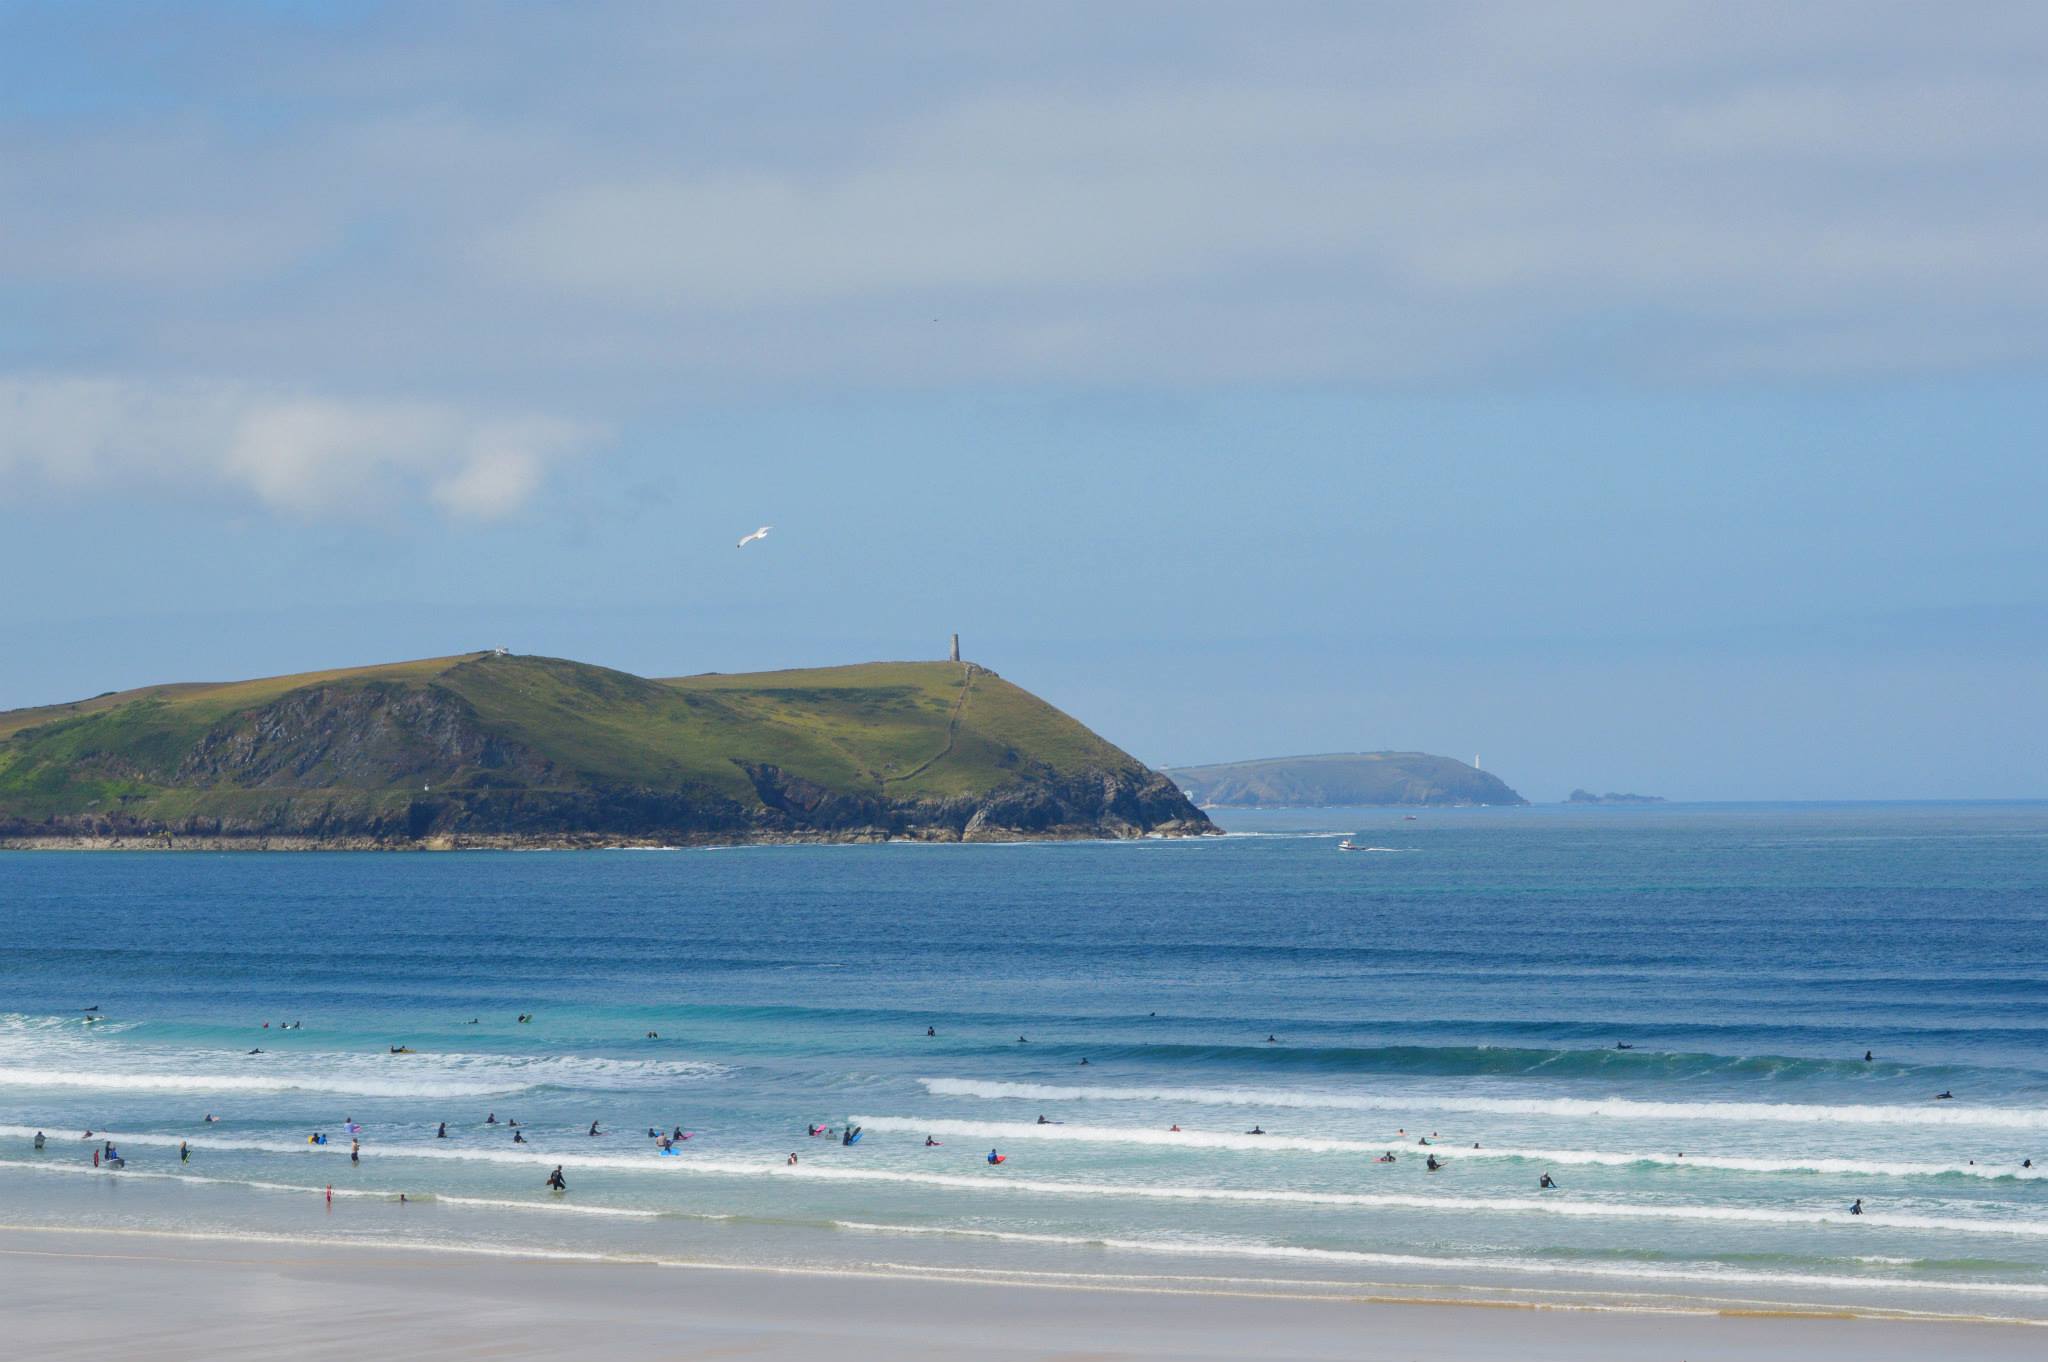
{"type": "Point", "coordinates": [1638, 396]}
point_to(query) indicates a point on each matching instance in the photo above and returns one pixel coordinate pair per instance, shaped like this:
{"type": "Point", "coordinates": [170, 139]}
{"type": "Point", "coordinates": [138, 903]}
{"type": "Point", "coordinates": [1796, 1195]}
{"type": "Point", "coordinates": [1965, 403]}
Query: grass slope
{"type": "Point", "coordinates": [369, 745]}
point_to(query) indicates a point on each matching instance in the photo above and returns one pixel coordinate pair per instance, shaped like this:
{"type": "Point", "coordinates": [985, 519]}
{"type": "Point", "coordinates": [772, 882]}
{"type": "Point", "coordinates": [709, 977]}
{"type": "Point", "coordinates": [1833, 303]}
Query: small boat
{"type": "Point", "coordinates": [1348, 845]}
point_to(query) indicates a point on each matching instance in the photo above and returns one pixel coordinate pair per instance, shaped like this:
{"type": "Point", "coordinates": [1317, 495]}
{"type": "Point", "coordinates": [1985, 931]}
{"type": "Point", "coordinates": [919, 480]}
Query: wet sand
{"type": "Point", "coordinates": [112, 1295]}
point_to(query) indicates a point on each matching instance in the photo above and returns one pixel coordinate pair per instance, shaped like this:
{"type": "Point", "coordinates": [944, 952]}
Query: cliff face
{"type": "Point", "coordinates": [1339, 779]}
{"type": "Point", "coordinates": [504, 751]}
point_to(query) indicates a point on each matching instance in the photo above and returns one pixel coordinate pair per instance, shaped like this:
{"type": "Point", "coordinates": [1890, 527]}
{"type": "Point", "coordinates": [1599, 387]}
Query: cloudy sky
{"type": "Point", "coordinates": [1637, 395]}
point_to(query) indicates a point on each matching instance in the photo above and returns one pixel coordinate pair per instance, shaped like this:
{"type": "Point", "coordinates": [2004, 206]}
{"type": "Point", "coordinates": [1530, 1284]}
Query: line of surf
{"type": "Point", "coordinates": [1012, 1131]}
{"type": "Point", "coordinates": [1006, 1181]}
{"type": "Point", "coordinates": [1576, 1108]}
{"type": "Point", "coordinates": [1298, 1253]}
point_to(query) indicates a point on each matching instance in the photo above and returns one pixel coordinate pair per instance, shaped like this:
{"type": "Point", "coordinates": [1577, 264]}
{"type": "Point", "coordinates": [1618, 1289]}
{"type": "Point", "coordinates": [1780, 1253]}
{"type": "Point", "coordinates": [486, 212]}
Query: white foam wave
{"type": "Point", "coordinates": [1575, 1108]}
{"type": "Point", "coordinates": [101, 1080]}
{"type": "Point", "coordinates": [1629, 1272]}
{"type": "Point", "coordinates": [1012, 1131]}
{"type": "Point", "coordinates": [449, 1075]}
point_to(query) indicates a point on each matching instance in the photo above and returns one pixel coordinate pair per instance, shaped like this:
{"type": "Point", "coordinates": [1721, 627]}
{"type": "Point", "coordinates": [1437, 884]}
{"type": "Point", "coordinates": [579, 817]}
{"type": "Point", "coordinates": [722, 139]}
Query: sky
{"type": "Point", "coordinates": [1636, 396]}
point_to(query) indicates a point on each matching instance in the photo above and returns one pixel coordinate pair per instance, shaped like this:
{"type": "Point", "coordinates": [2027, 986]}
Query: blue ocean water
{"type": "Point", "coordinates": [1469, 981]}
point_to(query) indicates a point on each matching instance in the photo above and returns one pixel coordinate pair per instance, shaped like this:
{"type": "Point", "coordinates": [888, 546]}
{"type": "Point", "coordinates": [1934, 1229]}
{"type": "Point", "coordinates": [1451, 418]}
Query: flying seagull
{"type": "Point", "coordinates": [761, 533]}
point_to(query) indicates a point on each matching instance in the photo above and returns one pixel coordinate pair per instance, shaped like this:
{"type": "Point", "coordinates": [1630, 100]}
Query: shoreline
{"type": "Point", "coordinates": [231, 1295]}
{"type": "Point", "coordinates": [577, 842]}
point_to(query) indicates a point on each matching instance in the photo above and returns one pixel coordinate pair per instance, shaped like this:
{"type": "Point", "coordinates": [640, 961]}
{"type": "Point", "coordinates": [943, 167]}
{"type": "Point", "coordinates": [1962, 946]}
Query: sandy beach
{"type": "Point", "coordinates": [116, 1295]}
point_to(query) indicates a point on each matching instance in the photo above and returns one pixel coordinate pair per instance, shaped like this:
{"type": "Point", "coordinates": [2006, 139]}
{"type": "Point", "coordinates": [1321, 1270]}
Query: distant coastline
{"type": "Point", "coordinates": [1342, 780]}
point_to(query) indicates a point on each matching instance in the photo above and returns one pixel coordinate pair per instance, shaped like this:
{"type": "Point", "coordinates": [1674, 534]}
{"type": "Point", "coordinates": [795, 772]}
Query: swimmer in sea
{"type": "Point", "coordinates": [654, 1035]}
{"type": "Point", "coordinates": [1433, 1164]}
{"type": "Point", "coordinates": [1272, 1039]}
{"type": "Point", "coordinates": [184, 1151]}
{"type": "Point", "coordinates": [1622, 1045]}
{"type": "Point", "coordinates": [931, 1030]}
{"type": "Point", "coordinates": [1084, 1059]}
{"type": "Point", "coordinates": [492, 1119]}
{"type": "Point", "coordinates": [1173, 1129]}
{"type": "Point", "coordinates": [1255, 1130]}
{"type": "Point", "coordinates": [1944, 1096]}
{"type": "Point", "coordinates": [792, 1158]}
{"type": "Point", "coordinates": [1857, 1209]}
{"type": "Point", "coordinates": [519, 1137]}
{"type": "Point", "coordinates": [593, 1128]}
{"type": "Point", "coordinates": [2024, 1163]}
{"type": "Point", "coordinates": [1868, 1056]}
{"type": "Point", "coordinates": [39, 1139]}
{"type": "Point", "coordinates": [1022, 1041]}
{"type": "Point", "coordinates": [442, 1133]}
{"type": "Point", "coordinates": [1545, 1181]}
{"type": "Point", "coordinates": [355, 1152]}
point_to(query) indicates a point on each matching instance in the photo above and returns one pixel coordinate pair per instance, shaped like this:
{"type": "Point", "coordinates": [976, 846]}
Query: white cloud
{"type": "Point", "coordinates": [1179, 194]}
{"type": "Point", "coordinates": [305, 455]}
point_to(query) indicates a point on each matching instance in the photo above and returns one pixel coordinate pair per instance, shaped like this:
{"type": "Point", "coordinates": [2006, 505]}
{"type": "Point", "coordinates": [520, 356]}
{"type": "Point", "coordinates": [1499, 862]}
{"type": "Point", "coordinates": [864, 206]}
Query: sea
{"type": "Point", "coordinates": [1210, 1065]}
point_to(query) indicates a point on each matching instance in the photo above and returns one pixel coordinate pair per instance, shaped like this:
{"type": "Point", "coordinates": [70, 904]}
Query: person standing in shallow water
{"type": "Point", "coordinates": [556, 1183]}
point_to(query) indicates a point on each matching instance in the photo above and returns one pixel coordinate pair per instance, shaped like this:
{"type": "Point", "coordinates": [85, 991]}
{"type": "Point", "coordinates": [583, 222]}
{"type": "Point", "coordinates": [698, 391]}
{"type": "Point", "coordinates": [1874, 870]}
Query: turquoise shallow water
{"type": "Point", "coordinates": [1468, 983]}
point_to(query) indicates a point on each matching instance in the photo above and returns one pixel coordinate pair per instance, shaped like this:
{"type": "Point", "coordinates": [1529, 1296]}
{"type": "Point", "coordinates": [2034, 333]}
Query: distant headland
{"type": "Point", "coordinates": [1341, 778]}
{"type": "Point", "coordinates": [491, 749]}
{"type": "Point", "coordinates": [1588, 797]}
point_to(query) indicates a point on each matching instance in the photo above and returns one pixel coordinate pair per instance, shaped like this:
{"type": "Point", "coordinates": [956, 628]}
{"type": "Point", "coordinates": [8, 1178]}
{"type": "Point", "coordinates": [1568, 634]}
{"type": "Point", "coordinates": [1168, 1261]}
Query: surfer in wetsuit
{"type": "Point", "coordinates": [442, 1133]}
{"type": "Point", "coordinates": [593, 1128]}
{"type": "Point", "coordinates": [1868, 1056]}
{"type": "Point", "coordinates": [1387, 1157]}
{"type": "Point", "coordinates": [930, 1143]}
{"type": "Point", "coordinates": [1042, 1121]}
{"type": "Point", "coordinates": [1433, 1164]}
{"type": "Point", "coordinates": [555, 1181]}
{"type": "Point", "coordinates": [519, 1137]}
{"type": "Point", "coordinates": [1857, 1209]}
{"type": "Point", "coordinates": [1255, 1130]}
{"type": "Point", "coordinates": [931, 1030]}
{"type": "Point", "coordinates": [1944, 1096]}
{"type": "Point", "coordinates": [1545, 1181]}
